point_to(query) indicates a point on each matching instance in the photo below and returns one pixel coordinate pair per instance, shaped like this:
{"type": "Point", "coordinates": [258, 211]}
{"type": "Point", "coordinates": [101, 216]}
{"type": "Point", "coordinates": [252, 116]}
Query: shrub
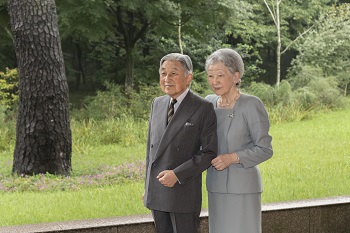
{"type": "Point", "coordinates": [124, 131]}
{"type": "Point", "coordinates": [9, 88]}
{"type": "Point", "coordinates": [115, 103]}
{"type": "Point", "coordinates": [327, 92]}
{"type": "Point", "coordinates": [7, 130]}
{"type": "Point", "coordinates": [286, 104]}
{"type": "Point", "coordinates": [272, 96]}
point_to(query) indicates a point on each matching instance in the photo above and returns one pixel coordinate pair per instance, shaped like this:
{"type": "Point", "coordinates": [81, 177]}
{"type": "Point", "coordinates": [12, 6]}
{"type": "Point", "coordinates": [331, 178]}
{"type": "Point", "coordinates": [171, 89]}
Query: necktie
{"type": "Point", "coordinates": [171, 110]}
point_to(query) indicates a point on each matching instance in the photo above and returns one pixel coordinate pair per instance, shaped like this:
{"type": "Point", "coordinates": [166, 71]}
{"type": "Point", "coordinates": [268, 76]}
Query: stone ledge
{"type": "Point", "coordinates": [326, 215]}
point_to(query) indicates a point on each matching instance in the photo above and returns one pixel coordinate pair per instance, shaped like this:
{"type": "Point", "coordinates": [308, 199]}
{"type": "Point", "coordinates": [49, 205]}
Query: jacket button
{"type": "Point", "coordinates": [151, 145]}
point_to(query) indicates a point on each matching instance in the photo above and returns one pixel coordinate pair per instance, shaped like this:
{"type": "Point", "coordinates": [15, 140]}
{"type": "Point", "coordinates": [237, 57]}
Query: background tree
{"type": "Point", "coordinates": [43, 140]}
{"type": "Point", "coordinates": [95, 52]}
{"type": "Point", "coordinates": [7, 54]}
{"type": "Point", "coordinates": [85, 29]}
{"type": "Point", "coordinates": [327, 49]}
{"type": "Point", "coordinates": [305, 12]}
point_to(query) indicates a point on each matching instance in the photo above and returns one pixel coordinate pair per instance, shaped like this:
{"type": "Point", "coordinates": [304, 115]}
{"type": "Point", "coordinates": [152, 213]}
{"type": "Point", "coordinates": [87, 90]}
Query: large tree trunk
{"type": "Point", "coordinates": [43, 140]}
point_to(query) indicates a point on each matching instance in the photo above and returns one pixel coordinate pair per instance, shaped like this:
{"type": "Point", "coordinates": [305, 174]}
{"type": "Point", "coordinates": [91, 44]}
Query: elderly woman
{"type": "Point", "coordinates": [234, 181]}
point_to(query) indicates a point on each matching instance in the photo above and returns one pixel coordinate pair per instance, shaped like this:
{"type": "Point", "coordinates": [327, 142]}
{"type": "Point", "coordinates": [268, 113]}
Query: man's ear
{"type": "Point", "coordinates": [189, 79]}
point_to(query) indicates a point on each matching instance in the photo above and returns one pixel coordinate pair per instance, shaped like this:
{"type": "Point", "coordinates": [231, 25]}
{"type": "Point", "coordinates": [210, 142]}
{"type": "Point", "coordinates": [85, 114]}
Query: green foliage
{"type": "Point", "coordinates": [272, 96]}
{"type": "Point", "coordinates": [200, 84]}
{"type": "Point", "coordinates": [305, 75]}
{"type": "Point", "coordinates": [123, 131]}
{"type": "Point", "coordinates": [9, 88]}
{"type": "Point", "coordinates": [7, 57]}
{"type": "Point", "coordinates": [83, 20]}
{"type": "Point", "coordinates": [114, 103]}
{"type": "Point", "coordinates": [286, 104]}
{"type": "Point", "coordinates": [327, 48]}
{"type": "Point", "coordinates": [252, 62]}
{"type": "Point", "coordinates": [327, 92]}
{"type": "Point", "coordinates": [95, 35]}
{"type": "Point", "coordinates": [7, 130]}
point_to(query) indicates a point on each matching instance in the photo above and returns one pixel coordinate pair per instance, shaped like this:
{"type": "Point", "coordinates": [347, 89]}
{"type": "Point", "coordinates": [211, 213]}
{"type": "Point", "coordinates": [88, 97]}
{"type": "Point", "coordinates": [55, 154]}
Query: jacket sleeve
{"type": "Point", "coordinates": [258, 125]}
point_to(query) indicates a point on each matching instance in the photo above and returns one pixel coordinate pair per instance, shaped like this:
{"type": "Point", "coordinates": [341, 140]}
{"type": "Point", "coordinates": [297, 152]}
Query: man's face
{"type": "Point", "coordinates": [172, 78]}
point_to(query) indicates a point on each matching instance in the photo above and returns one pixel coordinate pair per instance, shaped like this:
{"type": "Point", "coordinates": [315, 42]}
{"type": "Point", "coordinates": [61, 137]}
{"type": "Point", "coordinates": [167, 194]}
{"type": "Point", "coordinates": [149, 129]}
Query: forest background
{"type": "Point", "coordinates": [112, 51]}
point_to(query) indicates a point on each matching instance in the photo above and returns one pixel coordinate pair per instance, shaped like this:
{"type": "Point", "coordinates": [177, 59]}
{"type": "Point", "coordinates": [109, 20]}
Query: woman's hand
{"type": "Point", "coordinates": [223, 161]}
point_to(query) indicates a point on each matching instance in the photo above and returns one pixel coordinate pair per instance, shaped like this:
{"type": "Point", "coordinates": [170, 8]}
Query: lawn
{"type": "Point", "coordinates": [311, 160]}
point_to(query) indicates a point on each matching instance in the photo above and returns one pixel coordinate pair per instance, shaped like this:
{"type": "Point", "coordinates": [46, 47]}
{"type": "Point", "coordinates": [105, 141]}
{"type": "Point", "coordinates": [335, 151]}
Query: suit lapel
{"type": "Point", "coordinates": [161, 113]}
{"type": "Point", "coordinates": [186, 109]}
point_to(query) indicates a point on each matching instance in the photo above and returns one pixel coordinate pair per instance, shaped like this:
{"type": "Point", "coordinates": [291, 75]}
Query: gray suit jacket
{"type": "Point", "coordinates": [246, 133]}
{"type": "Point", "coordinates": [187, 146]}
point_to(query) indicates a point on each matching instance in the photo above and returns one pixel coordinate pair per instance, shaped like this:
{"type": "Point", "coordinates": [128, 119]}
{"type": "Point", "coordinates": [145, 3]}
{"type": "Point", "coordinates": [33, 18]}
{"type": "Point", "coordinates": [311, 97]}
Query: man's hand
{"type": "Point", "coordinates": [167, 178]}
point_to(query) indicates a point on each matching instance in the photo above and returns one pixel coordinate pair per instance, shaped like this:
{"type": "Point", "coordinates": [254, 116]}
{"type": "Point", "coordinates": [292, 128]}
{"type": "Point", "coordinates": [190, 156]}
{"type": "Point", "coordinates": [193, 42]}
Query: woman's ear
{"type": "Point", "coordinates": [236, 77]}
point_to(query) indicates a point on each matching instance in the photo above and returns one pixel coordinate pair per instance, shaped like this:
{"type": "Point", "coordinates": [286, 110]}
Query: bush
{"type": "Point", "coordinates": [272, 96]}
{"type": "Point", "coordinates": [7, 130]}
{"type": "Point", "coordinates": [124, 131]}
{"type": "Point", "coordinates": [286, 104]}
{"type": "Point", "coordinates": [327, 92]}
{"type": "Point", "coordinates": [115, 103]}
{"type": "Point", "coordinates": [9, 88]}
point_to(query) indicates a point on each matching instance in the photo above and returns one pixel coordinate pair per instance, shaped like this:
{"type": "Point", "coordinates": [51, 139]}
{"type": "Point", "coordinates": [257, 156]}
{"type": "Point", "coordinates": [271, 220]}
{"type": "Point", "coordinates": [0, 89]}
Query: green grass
{"type": "Point", "coordinates": [311, 160]}
{"type": "Point", "coordinates": [112, 155]}
{"type": "Point", "coordinates": [34, 207]}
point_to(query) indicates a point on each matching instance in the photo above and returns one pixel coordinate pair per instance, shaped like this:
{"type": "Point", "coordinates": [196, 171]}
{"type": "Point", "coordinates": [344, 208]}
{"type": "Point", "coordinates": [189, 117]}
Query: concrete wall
{"type": "Point", "coordinates": [329, 215]}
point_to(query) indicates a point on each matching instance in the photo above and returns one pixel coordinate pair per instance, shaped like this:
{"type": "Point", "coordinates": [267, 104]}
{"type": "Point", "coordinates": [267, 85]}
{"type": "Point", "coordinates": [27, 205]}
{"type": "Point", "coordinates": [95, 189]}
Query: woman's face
{"type": "Point", "coordinates": [220, 79]}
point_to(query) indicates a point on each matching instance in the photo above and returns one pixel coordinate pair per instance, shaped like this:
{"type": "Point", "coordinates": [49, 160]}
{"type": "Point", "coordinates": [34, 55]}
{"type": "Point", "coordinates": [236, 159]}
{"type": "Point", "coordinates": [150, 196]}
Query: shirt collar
{"type": "Point", "coordinates": [179, 99]}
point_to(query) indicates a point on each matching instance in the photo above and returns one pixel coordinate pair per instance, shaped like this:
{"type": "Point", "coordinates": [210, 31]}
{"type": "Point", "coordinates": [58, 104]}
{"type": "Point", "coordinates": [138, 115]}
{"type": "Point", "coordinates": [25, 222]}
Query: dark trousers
{"type": "Point", "coordinates": [166, 222]}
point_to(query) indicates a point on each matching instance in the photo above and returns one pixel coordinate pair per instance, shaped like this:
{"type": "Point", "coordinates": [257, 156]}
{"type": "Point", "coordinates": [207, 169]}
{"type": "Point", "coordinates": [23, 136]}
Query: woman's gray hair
{"type": "Point", "coordinates": [182, 58]}
{"type": "Point", "coordinates": [229, 57]}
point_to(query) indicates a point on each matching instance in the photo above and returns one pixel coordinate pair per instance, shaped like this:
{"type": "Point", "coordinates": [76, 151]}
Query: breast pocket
{"type": "Point", "coordinates": [189, 127]}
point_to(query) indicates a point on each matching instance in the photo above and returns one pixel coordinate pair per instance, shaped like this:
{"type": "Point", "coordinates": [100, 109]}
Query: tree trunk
{"type": "Point", "coordinates": [43, 140]}
{"type": "Point", "coordinates": [278, 79]}
{"type": "Point", "coordinates": [129, 70]}
{"type": "Point", "coordinates": [78, 66]}
{"type": "Point", "coordinates": [179, 35]}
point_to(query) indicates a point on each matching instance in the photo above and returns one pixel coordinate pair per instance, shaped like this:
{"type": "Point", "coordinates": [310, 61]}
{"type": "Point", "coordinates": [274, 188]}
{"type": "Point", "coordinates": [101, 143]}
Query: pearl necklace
{"type": "Point", "coordinates": [221, 105]}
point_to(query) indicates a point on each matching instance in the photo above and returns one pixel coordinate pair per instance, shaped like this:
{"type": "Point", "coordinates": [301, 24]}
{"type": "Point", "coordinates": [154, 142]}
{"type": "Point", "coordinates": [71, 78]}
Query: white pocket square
{"type": "Point", "coordinates": [188, 124]}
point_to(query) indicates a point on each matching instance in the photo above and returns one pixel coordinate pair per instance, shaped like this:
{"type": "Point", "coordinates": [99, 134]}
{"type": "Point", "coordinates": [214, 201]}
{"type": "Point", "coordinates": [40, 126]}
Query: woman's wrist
{"type": "Point", "coordinates": [237, 160]}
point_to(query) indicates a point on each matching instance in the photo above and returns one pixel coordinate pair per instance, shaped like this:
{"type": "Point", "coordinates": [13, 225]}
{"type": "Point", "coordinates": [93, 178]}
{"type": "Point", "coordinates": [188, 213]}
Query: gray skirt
{"type": "Point", "coordinates": [234, 213]}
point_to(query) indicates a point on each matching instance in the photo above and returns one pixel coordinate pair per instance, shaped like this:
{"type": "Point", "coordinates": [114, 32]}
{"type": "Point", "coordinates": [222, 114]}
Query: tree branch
{"type": "Point", "coordinates": [301, 35]}
{"type": "Point", "coordinates": [273, 16]}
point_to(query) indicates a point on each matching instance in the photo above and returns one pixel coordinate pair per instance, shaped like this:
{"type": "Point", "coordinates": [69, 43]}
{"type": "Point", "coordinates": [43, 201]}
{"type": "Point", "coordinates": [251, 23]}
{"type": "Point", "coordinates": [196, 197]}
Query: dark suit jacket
{"type": "Point", "coordinates": [187, 146]}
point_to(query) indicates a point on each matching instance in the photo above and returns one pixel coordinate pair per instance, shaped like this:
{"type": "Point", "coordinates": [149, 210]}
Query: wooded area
{"type": "Point", "coordinates": [296, 55]}
{"type": "Point", "coordinates": [121, 41]}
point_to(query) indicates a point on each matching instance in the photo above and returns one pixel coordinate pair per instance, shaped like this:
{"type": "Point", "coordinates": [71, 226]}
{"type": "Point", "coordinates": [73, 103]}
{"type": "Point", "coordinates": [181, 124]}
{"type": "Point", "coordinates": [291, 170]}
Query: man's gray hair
{"type": "Point", "coordinates": [182, 58]}
{"type": "Point", "coordinates": [229, 57]}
